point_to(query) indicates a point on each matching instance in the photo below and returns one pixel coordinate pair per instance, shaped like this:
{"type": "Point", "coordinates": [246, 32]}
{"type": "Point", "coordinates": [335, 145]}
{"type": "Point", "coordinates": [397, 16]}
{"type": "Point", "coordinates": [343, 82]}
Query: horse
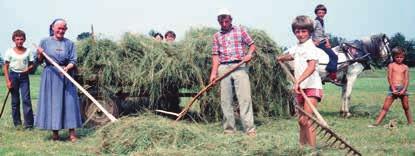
{"type": "Point", "coordinates": [374, 50]}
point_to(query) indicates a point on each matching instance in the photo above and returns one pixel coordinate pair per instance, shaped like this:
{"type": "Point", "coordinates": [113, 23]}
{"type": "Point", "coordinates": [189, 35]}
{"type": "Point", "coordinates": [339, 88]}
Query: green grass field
{"type": "Point", "coordinates": [276, 136]}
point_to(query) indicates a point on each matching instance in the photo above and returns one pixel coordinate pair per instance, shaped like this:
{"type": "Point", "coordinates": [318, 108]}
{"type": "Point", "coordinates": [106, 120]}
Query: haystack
{"type": "Point", "coordinates": [140, 66]}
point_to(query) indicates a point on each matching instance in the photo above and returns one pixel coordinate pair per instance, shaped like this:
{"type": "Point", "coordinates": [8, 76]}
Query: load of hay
{"type": "Point", "coordinates": [138, 66]}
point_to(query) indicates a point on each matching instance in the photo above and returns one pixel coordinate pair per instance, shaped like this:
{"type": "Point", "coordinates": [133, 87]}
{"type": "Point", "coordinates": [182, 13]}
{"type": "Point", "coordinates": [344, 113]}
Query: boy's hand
{"type": "Point", "coordinates": [402, 92]}
{"type": "Point", "coordinates": [394, 92]}
{"type": "Point", "coordinates": [9, 84]}
{"type": "Point", "coordinates": [296, 88]}
{"type": "Point", "coordinates": [26, 70]}
{"type": "Point", "coordinates": [327, 43]}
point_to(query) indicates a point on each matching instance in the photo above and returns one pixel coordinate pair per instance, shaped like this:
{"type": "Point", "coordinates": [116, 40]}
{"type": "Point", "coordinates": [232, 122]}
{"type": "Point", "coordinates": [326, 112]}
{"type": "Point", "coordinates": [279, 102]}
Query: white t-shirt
{"type": "Point", "coordinates": [301, 54]}
{"type": "Point", "coordinates": [18, 62]}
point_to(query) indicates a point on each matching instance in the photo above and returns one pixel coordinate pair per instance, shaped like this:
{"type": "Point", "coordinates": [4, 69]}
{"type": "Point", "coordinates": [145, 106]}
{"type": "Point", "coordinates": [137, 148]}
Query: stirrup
{"type": "Point", "coordinates": [335, 82]}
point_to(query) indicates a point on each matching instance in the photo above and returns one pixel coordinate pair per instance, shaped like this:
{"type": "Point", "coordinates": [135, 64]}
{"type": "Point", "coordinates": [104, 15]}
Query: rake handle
{"type": "Point", "coordinates": [209, 86]}
{"type": "Point", "coordinates": [4, 103]}
{"type": "Point", "coordinates": [110, 116]}
{"type": "Point", "coordinates": [308, 102]}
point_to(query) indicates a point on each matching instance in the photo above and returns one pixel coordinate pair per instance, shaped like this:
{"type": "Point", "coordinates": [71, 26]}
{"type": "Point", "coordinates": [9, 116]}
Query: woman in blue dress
{"type": "Point", "coordinates": [58, 105]}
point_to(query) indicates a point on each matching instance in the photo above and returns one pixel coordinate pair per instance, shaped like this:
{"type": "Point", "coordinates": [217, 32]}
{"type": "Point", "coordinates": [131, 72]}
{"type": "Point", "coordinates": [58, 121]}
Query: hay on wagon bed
{"type": "Point", "coordinates": [140, 66]}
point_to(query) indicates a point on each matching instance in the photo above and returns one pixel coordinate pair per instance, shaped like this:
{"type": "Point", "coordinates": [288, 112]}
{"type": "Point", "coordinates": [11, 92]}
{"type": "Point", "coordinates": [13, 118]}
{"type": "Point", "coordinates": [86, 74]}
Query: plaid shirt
{"type": "Point", "coordinates": [231, 45]}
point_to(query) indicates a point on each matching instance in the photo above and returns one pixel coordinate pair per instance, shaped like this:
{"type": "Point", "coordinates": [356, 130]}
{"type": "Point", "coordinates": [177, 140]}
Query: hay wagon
{"type": "Point", "coordinates": [121, 102]}
{"type": "Point", "coordinates": [139, 73]}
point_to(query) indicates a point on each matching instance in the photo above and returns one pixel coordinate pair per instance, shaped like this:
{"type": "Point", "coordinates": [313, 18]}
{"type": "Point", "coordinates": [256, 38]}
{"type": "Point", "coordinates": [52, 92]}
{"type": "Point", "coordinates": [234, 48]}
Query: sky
{"type": "Point", "coordinates": [351, 19]}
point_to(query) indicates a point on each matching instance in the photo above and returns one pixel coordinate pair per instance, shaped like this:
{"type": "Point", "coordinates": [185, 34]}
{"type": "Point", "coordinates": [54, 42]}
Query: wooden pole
{"type": "Point", "coordinates": [308, 102]}
{"type": "Point", "coordinates": [4, 103]}
{"type": "Point", "coordinates": [92, 33]}
{"type": "Point", "coordinates": [110, 116]}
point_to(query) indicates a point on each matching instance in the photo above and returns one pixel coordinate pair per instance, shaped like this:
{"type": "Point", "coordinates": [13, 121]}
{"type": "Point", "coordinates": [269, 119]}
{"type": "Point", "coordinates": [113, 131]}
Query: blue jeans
{"type": "Point", "coordinates": [21, 82]}
{"type": "Point", "coordinates": [332, 65]}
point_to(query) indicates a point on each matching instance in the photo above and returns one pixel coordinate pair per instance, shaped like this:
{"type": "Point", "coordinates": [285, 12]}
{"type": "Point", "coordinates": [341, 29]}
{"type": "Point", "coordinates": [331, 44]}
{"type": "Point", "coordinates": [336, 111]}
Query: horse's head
{"type": "Point", "coordinates": [378, 47]}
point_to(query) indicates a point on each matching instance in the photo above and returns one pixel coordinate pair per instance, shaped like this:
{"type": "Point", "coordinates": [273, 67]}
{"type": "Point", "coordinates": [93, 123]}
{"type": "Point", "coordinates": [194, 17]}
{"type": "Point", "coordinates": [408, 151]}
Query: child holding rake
{"type": "Point", "coordinates": [305, 63]}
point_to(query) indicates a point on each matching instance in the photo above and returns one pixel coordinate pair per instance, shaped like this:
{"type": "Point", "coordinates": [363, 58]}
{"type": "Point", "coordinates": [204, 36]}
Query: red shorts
{"type": "Point", "coordinates": [310, 92]}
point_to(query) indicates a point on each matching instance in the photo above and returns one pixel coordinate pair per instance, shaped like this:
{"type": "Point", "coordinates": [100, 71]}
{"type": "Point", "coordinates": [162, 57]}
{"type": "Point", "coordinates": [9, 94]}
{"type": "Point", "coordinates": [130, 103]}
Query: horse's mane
{"type": "Point", "coordinates": [372, 45]}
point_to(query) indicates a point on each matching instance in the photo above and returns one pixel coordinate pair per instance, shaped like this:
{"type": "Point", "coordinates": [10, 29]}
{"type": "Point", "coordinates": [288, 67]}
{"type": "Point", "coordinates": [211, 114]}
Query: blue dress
{"type": "Point", "coordinates": [58, 105]}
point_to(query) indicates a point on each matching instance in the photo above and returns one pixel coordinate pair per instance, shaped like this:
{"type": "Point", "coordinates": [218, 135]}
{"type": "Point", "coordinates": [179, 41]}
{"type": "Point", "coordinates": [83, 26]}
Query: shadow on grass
{"type": "Point", "coordinates": [358, 111]}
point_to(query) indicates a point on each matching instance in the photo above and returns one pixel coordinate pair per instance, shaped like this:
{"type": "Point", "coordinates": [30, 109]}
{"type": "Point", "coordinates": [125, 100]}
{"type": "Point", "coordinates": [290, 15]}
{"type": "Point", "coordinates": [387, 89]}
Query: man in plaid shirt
{"type": "Point", "coordinates": [229, 48]}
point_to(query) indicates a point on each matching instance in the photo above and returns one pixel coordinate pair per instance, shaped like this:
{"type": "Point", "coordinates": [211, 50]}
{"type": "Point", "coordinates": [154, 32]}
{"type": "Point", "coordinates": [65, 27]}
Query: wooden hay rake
{"type": "Point", "coordinates": [319, 124]}
{"type": "Point", "coordinates": [331, 137]}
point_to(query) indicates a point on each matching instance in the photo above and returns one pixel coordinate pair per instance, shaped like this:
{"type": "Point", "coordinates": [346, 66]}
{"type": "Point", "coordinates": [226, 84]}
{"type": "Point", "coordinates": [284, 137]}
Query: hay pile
{"type": "Point", "coordinates": [139, 66]}
{"type": "Point", "coordinates": [152, 135]}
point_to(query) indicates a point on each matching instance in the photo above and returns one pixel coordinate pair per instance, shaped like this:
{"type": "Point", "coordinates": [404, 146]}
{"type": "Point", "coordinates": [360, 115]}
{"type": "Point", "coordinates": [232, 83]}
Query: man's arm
{"type": "Point", "coordinates": [215, 66]}
{"type": "Point", "coordinates": [251, 51]}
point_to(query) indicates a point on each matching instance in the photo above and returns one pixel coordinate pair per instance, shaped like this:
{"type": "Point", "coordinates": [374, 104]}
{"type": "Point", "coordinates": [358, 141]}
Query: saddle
{"type": "Point", "coordinates": [355, 52]}
{"type": "Point", "coordinates": [359, 55]}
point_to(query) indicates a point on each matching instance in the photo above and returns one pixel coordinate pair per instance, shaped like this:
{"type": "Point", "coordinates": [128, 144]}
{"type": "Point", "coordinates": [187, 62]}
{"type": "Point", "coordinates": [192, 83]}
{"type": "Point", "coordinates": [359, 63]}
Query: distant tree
{"type": "Point", "coordinates": [83, 35]}
{"type": "Point", "coordinates": [336, 40]}
{"type": "Point", "coordinates": [399, 40]}
{"type": "Point", "coordinates": [409, 45]}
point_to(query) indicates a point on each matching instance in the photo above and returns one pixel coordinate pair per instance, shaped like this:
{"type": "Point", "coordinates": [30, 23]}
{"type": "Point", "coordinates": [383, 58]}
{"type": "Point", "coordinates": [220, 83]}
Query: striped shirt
{"type": "Point", "coordinates": [231, 45]}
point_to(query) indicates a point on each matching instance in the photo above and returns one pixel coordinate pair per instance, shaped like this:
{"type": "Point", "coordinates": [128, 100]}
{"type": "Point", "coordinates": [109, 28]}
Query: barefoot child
{"type": "Point", "coordinates": [305, 60]}
{"type": "Point", "coordinates": [398, 78]}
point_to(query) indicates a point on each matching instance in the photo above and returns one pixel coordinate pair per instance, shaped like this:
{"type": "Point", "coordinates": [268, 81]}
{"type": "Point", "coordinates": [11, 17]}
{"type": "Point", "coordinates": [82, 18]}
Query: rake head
{"type": "Point", "coordinates": [331, 137]}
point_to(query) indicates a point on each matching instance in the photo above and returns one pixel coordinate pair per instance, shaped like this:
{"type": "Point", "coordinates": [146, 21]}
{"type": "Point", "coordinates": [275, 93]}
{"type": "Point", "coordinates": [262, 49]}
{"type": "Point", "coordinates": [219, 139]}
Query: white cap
{"type": "Point", "coordinates": [224, 11]}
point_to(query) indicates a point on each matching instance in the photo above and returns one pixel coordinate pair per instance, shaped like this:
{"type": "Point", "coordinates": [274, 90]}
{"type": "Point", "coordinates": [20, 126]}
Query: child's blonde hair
{"type": "Point", "coordinates": [303, 22]}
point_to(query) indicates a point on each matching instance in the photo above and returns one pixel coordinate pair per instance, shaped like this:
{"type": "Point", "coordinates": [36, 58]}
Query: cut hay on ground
{"type": "Point", "coordinates": [140, 66]}
{"type": "Point", "coordinates": [153, 135]}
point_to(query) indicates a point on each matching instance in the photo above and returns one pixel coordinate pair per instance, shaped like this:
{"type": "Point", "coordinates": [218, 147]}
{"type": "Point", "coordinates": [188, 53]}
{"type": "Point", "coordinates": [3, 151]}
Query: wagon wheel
{"type": "Point", "coordinates": [94, 116]}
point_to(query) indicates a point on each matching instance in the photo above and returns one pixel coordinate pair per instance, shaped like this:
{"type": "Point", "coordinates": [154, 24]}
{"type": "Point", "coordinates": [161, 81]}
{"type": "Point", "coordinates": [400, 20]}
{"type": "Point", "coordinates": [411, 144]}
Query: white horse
{"type": "Point", "coordinates": [375, 50]}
